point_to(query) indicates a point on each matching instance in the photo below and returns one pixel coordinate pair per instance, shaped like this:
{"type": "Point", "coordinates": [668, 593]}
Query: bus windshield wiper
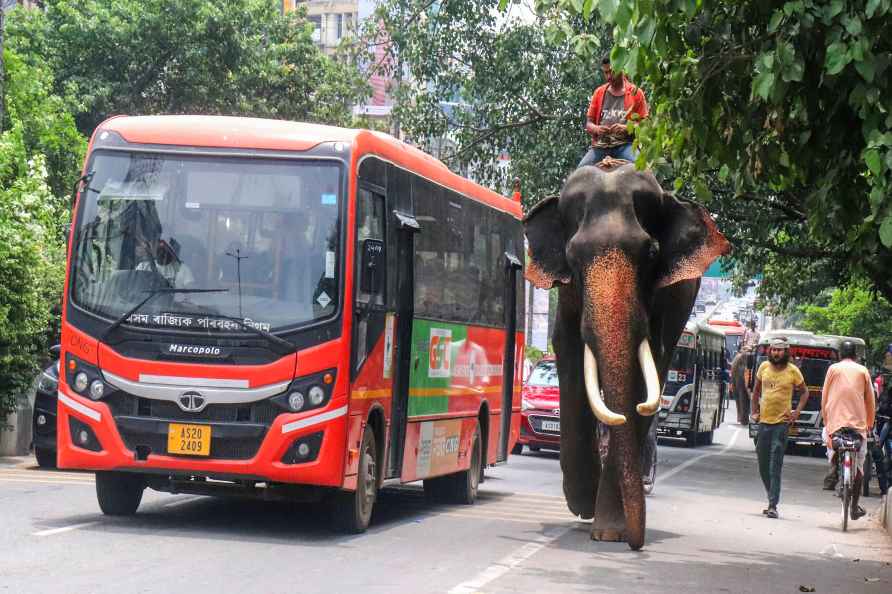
{"type": "Point", "coordinates": [288, 346]}
{"type": "Point", "coordinates": [152, 293]}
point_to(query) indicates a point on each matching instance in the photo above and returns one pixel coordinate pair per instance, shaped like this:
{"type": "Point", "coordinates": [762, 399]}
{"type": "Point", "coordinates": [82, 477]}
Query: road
{"type": "Point", "coordinates": [705, 534]}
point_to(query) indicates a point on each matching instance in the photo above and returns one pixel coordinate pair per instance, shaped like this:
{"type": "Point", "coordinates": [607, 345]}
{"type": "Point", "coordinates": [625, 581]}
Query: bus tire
{"type": "Point", "coordinates": [45, 458]}
{"type": "Point", "coordinates": [708, 437]}
{"type": "Point", "coordinates": [351, 511]}
{"type": "Point", "coordinates": [465, 483]}
{"type": "Point", "coordinates": [517, 450]}
{"type": "Point", "coordinates": [119, 493]}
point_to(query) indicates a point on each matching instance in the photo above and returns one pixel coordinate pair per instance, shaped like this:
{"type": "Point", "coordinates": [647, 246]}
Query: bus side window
{"type": "Point", "coordinates": [370, 238]}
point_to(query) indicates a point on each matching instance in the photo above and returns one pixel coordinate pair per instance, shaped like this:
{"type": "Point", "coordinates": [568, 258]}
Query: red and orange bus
{"type": "Point", "coordinates": [285, 310]}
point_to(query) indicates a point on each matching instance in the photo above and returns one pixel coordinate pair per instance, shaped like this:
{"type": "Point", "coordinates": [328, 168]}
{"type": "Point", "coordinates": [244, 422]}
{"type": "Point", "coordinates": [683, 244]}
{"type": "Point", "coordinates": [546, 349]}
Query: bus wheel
{"type": "Point", "coordinates": [352, 510]}
{"type": "Point", "coordinates": [517, 449]}
{"type": "Point", "coordinates": [707, 438]}
{"type": "Point", "coordinates": [466, 482]}
{"type": "Point", "coordinates": [119, 493]}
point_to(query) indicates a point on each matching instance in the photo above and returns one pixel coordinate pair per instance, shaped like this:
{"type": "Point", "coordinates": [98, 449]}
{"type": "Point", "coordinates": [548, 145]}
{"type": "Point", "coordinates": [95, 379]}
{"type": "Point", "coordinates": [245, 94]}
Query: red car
{"type": "Point", "coordinates": [540, 422]}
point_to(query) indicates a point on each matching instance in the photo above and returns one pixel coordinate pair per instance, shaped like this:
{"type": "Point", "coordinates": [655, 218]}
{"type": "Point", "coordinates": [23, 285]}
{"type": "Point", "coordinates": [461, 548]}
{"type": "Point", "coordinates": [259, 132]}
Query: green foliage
{"type": "Point", "coordinates": [479, 84]}
{"type": "Point", "coordinates": [853, 311]}
{"type": "Point", "coordinates": [233, 57]}
{"type": "Point", "coordinates": [40, 152]}
{"type": "Point", "coordinates": [784, 111]}
{"type": "Point", "coordinates": [31, 270]}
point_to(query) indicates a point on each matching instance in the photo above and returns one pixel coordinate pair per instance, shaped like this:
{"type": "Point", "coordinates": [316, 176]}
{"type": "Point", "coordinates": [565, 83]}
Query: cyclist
{"type": "Point", "coordinates": [847, 400]}
{"type": "Point", "coordinates": [614, 104]}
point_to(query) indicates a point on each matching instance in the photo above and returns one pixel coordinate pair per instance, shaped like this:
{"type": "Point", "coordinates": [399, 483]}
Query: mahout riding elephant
{"type": "Point", "coordinates": [627, 258]}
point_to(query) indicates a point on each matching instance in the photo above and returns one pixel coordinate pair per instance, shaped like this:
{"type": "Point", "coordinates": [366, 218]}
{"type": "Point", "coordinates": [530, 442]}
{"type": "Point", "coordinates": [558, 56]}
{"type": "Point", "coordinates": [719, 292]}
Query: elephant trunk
{"type": "Point", "coordinates": [621, 383]}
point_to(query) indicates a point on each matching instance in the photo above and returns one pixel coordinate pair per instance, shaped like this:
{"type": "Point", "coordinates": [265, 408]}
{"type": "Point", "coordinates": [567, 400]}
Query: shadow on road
{"type": "Point", "coordinates": [234, 519]}
{"type": "Point", "coordinates": [613, 567]}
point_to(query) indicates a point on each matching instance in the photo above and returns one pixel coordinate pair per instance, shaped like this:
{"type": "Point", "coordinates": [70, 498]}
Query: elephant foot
{"type": "Point", "coordinates": [585, 510]}
{"type": "Point", "coordinates": [579, 502]}
{"type": "Point", "coordinates": [608, 535]}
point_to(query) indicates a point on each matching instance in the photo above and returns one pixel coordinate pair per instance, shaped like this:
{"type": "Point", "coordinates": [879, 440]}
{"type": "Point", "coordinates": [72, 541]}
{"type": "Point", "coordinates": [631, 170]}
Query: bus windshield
{"type": "Point", "coordinates": [264, 231]}
{"type": "Point", "coordinates": [683, 358]}
{"type": "Point", "coordinates": [813, 370]}
{"type": "Point", "coordinates": [544, 375]}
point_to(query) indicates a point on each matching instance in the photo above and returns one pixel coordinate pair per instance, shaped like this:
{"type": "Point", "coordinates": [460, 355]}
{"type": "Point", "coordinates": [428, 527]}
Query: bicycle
{"type": "Point", "coordinates": [649, 481]}
{"type": "Point", "coordinates": [846, 443]}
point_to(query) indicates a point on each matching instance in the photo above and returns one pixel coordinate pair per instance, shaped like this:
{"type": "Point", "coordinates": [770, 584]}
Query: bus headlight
{"type": "Point", "coordinates": [295, 401]}
{"type": "Point", "coordinates": [80, 381]}
{"type": "Point", "coordinates": [316, 395]}
{"type": "Point", "coordinates": [97, 389]}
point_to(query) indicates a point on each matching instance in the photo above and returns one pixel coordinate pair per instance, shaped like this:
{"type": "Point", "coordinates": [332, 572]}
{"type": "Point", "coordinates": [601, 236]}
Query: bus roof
{"type": "Point", "coordinates": [698, 327]}
{"type": "Point", "coordinates": [264, 134]}
{"type": "Point", "coordinates": [837, 339]}
{"type": "Point", "coordinates": [797, 338]}
{"type": "Point", "coordinates": [732, 327]}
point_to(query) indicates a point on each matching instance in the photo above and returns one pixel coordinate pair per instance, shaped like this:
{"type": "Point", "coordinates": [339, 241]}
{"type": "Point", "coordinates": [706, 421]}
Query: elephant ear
{"type": "Point", "coordinates": [544, 230]}
{"type": "Point", "coordinates": [689, 241]}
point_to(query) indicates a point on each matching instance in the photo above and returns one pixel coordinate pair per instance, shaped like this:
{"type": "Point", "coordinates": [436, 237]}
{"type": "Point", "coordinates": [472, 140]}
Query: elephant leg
{"type": "Point", "coordinates": [579, 463]}
{"type": "Point", "coordinates": [619, 509]}
{"type": "Point", "coordinates": [609, 523]}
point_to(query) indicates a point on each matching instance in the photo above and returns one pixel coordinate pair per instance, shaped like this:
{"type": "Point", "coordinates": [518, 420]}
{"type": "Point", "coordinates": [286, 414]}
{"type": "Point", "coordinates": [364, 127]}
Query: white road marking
{"type": "Point", "coordinates": [506, 564]}
{"type": "Point", "coordinates": [663, 477]}
{"type": "Point", "coordinates": [178, 502]}
{"type": "Point", "coordinates": [53, 531]}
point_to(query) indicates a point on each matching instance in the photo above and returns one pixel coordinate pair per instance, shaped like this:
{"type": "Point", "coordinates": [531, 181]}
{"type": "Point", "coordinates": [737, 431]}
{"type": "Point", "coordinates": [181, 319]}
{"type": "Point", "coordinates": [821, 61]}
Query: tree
{"type": "Point", "coordinates": [233, 57]}
{"type": "Point", "coordinates": [477, 83]}
{"type": "Point", "coordinates": [852, 311]}
{"type": "Point", "coordinates": [785, 108]}
{"type": "Point", "coordinates": [36, 131]}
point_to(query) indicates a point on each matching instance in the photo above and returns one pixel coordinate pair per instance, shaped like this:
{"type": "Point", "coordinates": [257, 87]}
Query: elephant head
{"type": "Point", "coordinates": [627, 258]}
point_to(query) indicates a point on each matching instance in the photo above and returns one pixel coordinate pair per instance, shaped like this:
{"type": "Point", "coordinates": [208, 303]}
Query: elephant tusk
{"type": "Point", "coordinates": [593, 389]}
{"type": "Point", "coordinates": [651, 380]}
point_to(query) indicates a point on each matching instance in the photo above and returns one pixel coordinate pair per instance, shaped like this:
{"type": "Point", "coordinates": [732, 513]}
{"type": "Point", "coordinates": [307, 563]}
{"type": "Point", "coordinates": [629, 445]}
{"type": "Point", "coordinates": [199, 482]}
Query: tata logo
{"type": "Point", "coordinates": [194, 350]}
{"type": "Point", "coordinates": [192, 402]}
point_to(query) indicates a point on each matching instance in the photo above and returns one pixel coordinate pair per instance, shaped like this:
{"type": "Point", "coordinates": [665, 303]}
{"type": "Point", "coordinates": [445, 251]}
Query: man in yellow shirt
{"type": "Point", "coordinates": [776, 381]}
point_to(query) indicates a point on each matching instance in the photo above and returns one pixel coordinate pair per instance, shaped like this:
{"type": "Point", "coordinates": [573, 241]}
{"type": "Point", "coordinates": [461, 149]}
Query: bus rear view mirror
{"type": "Point", "coordinates": [372, 266]}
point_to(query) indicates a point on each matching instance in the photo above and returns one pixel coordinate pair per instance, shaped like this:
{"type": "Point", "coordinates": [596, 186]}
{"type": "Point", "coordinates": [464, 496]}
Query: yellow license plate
{"type": "Point", "coordinates": [194, 440]}
{"type": "Point", "coordinates": [794, 430]}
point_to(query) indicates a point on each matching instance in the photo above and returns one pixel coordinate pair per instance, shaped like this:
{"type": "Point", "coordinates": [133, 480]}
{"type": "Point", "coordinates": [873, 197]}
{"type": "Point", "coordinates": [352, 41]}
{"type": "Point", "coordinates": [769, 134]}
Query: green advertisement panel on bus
{"type": "Point", "coordinates": [450, 362]}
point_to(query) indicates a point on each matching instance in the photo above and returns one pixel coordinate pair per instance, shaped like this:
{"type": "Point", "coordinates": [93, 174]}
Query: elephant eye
{"type": "Point", "coordinates": [654, 250]}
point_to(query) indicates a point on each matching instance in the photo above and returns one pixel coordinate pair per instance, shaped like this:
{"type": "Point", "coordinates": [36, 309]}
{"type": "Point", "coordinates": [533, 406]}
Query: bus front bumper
{"type": "Point", "coordinates": [90, 438]}
{"type": "Point", "coordinates": [673, 424]}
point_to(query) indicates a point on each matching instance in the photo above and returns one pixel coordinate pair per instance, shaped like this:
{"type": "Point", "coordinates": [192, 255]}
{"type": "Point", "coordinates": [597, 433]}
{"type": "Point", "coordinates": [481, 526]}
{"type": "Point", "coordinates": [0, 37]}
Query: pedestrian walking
{"type": "Point", "coordinates": [847, 401]}
{"type": "Point", "coordinates": [741, 392]}
{"type": "Point", "coordinates": [772, 403]}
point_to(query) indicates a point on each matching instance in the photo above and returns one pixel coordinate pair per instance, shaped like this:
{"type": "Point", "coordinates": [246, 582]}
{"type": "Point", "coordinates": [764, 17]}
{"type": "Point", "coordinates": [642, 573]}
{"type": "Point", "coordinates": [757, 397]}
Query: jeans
{"type": "Point", "coordinates": [882, 455]}
{"type": "Point", "coordinates": [596, 155]}
{"type": "Point", "coordinates": [770, 446]}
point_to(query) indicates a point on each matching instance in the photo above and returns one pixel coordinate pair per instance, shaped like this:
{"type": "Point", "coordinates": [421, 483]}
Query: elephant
{"type": "Point", "coordinates": [627, 258]}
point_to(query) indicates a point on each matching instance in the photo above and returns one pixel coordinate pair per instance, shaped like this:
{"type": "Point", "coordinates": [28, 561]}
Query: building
{"type": "Point", "coordinates": [333, 19]}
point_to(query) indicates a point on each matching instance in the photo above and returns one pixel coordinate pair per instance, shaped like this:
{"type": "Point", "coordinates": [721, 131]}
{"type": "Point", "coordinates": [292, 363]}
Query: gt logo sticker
{"type": "Point", "coordinates": [440, 353]}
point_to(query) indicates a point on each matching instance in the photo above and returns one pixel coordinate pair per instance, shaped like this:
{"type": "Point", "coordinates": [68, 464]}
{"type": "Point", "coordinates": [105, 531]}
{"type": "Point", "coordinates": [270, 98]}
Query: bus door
{"type": "Point", "coordinates": [404, 233]}
{"type": "Point", "coordinates": [512, 266]}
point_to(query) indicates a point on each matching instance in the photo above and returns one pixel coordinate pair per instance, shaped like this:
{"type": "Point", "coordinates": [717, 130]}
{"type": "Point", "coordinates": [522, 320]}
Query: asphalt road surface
{"type": "Point", "coordinates": [705, 533]}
